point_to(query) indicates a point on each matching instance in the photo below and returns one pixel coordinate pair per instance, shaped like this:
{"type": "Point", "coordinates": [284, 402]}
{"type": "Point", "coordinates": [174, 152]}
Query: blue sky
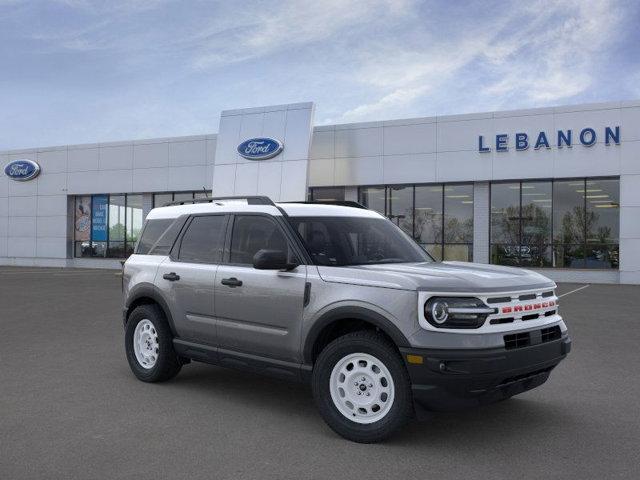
{"type": "Point", "coordinates": [76, 71]}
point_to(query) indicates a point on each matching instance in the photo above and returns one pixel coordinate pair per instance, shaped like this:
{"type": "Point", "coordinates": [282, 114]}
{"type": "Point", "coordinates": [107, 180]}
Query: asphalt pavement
{"type": "Point", "coordinates": [71, 409]}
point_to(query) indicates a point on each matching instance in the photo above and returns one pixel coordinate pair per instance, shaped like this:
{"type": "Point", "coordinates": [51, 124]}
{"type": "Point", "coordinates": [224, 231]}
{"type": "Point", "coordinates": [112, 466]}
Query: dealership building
{"type": "Point", "coordinates": [553, 189]}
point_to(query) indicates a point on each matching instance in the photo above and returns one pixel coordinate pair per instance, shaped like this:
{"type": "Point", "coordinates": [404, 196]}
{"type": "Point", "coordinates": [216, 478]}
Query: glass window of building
{"type": "Point", "coordinates": [117, 219]}
{"type": "Point", "coordinates": [602, 225]}
{"type": "Point", "coordinates": [107, 225]}
{"type": "Point", "coordinates": [458, 222]}
{"type": "Point", "coordinates": [561, 224]}
{"type": "Point", "coordinates": [133, 222]}
{"type": "Point", "coordinates": [400, 207]}
{"type": "Point", "coordinates": [505, 223]}
{"type": "Point", "coordinates": [536, 220]}
{"type": "Point", "coordinates": [373, 198]}
{"type": "Point", "coordinates": [161, 199]}
{"type": "Point", "coordinates": [439, 217]}
{"type": "Point", "coordinates": [82, 226]}
{"type": "Point", "coordinates": [182, 196]}
{"type": "Point", "coordinates": [569, 223]}
{"type": "Point", "coordinates": [327, 194]}
{"type": "Point", "coordinates": [428, 218]}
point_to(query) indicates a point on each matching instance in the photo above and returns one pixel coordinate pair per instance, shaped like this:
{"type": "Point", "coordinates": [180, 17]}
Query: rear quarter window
{"type": "Point", "coordinates": [159, 236]}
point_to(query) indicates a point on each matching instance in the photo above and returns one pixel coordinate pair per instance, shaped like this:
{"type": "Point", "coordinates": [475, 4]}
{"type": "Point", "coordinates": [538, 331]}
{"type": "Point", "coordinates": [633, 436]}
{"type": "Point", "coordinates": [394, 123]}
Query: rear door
{"type": "Point", "coordinates": [259, 311]}
{"type": "Point", "coordinates": [187, 277]}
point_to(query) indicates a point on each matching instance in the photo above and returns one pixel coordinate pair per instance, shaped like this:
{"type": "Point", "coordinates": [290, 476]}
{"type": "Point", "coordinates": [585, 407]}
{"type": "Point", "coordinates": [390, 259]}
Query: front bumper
{"type": "Point", "coordinates": [455, 379]}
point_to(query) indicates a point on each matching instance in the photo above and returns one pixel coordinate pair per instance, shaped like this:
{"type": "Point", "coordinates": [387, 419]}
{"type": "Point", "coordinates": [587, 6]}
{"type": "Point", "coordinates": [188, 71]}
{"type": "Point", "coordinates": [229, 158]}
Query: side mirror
{"type": "Point", "coordinates": [272, 260]}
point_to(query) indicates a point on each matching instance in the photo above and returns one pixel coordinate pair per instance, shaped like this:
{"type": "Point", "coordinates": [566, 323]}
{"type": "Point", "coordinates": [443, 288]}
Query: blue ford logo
{"type": "Point", "coordinates": [22, 170]}
{"type": "Point", "coordinates": [260, 148]}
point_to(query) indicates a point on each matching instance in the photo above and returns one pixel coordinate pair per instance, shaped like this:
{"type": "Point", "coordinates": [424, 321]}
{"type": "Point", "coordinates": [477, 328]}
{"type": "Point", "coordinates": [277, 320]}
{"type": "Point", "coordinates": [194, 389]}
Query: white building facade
{"type": "Point", "coordinates": [553, 189]}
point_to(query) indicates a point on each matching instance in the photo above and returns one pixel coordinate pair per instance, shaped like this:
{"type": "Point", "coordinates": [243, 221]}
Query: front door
{"type": "Point", "coordinates": [259, 311]}
{"type": "Point", "coordinates": [188, 277]}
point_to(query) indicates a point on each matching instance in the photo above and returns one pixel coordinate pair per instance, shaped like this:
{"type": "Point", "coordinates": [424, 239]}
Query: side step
{"type": "Point", "coordinates": [243, 361]}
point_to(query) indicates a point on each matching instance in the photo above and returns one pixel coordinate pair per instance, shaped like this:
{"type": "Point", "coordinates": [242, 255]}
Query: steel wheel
{"type": "Point", "coordinates": [145, 344]}
{"type": "Point", "coordinates": [362, 388]}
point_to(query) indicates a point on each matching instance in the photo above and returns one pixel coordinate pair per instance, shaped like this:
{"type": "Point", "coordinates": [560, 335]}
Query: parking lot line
{"type": "Point", "coordinates": [573, 291]}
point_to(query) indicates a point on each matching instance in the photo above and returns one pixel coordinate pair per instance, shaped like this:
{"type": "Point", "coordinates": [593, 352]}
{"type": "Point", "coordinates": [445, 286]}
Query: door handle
{"type": "Point", "coordinates": [172, 277]}
{"type": "Point", "coordinates": [231, 282]}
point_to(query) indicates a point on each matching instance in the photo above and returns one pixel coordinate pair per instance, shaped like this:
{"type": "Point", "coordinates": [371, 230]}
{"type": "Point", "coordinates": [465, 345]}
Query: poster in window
{"type": "Point", "coordinates": [99, 218]}
{"type": "Point", "coordinates": [83, 219]}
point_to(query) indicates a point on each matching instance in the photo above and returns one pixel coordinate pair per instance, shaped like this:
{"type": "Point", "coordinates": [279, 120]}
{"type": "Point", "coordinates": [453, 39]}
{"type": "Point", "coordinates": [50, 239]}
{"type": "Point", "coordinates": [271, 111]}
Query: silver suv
{"type": "Point", "coordinates": [338, 296]}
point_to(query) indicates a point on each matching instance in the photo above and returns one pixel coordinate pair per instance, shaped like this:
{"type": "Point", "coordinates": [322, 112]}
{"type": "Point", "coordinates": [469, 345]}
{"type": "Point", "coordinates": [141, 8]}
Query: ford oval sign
{"type": "Point", "coordinates": [260, 148]}
{"type": "Point", "coordinates": [22, 170]}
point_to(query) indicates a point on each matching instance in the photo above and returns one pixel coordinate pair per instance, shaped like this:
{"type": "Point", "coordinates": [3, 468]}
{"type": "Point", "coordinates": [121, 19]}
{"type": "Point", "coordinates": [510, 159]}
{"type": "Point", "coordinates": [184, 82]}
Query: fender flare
{"type": "Point", "coordinates": [351, 312]}
{"type": "Point", "coordinates": [147, 290]}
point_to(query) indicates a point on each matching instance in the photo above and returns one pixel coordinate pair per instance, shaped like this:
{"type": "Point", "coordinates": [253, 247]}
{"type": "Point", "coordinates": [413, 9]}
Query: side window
{"type": "Point", "coordinates": [204, 240]}
{"type": "Point", "coordinates": [252, 233]}
{"type": "Point", "coordinates": [168, 238]}
{"type": "Point", "coordinates": [319, 242]}
{"type": "Point", "coordinates": [153, 229]}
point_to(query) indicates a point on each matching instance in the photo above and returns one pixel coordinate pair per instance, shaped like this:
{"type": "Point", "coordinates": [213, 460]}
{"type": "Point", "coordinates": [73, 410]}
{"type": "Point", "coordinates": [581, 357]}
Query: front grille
{"type": "Point", "coordinates": [524, 376]}
{"type": "Point", "coordinates": [517, 340]}
{"type": "Point", "coordinates": [528, 296]}
{"type": "Point", "coordinates": [497, 321]}
{"type": "Point", "coordinates": [523, 339]}
{"type": "Point", "coordinates": [533, 316]}
{"type": "Point", "coordinates": [499, 300]}
{"type": "Point", "coordinates": [551, 333]}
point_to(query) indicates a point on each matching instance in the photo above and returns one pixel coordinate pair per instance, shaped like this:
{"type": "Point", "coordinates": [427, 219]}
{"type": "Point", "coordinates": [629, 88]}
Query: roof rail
{"type": "Point", "coordinates": [251, 200]}
{"type": "Point", "coordinates": [341, 203]}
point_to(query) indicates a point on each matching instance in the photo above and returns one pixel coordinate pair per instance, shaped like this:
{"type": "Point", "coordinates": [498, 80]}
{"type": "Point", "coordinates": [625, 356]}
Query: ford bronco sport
{"type": "Point", "coordinates": [338, 296]}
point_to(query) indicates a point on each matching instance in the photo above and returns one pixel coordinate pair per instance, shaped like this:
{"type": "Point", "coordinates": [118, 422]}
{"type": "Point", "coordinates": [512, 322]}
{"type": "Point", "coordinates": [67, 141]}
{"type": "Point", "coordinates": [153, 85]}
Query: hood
{"type": "Point", "coordinates": [438, 277]}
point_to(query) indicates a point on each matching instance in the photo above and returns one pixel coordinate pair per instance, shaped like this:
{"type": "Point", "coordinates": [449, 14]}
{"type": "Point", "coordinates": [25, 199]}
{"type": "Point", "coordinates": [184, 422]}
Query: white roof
{"type": "Point", "coordinates": [324, 210]}
{"type": "Point", "coordinates": [239, 206]}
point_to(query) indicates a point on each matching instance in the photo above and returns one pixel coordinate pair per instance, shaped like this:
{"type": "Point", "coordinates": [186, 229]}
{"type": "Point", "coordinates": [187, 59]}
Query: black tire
{"type": "Point", "coordinates": [374, 344]}
{"type": "Point", "coordinates": [168, 364]}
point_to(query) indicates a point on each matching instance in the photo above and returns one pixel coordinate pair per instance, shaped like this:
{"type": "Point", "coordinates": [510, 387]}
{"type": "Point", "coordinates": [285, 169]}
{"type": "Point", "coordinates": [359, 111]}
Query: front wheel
{"type": "Point", "coordinates": [362, 387]}
{"type": "Point", "coordinates": [149, 345]}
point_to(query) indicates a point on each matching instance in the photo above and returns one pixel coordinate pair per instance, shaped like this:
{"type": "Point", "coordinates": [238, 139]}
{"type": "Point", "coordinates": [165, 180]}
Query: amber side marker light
{"type": "Point", "coordinates": [416, 359]}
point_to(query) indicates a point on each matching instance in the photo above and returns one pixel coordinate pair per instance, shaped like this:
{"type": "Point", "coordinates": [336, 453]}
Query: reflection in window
{"type": "Point", "coordinates": [134, 221]}
{"type": "Point", "coordinates": [568, 223]}
{"type": "Point", "coordinates": [428, 219]}
{"type": "Point", "coordinates": [373, 198]}
{"type": "Point", "coordinates": [562, 224]}
{"type": "Point", "coordinates": [458, 222]}
{"type": "Point", "coordinates": [117, 216]}
{"type": "Point", "coordinates": [400, 207]}
{"type": "Point", "coordinates": [440, 217]}
{"type": "Point", "coordinates": [536, 199]}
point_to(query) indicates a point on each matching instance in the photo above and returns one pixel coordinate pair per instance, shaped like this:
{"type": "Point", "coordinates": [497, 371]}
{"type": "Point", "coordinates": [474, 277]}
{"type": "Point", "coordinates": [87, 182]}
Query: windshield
{"type": "Point", "coordinates": [341, 241]}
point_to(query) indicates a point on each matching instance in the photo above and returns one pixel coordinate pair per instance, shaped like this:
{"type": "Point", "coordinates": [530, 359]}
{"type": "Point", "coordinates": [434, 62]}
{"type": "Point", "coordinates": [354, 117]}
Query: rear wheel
{"type": "Point", "coordinates": [149, 345]}
{"type": "Point", "coordinates": [362, 388]}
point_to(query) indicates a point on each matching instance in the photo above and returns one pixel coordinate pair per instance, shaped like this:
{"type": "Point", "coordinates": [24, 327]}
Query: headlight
{"type": "Point", "coordinates": [456, 312]}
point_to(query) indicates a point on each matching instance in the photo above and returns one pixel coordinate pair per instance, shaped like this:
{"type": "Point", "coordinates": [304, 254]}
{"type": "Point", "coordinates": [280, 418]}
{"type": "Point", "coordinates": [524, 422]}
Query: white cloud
{"type": "Point", "coordinates": [551, 61]}
{"type": "Point", "coordinates": [287, 25]}
{"type": "Point", "coordinates": [543, 52]}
